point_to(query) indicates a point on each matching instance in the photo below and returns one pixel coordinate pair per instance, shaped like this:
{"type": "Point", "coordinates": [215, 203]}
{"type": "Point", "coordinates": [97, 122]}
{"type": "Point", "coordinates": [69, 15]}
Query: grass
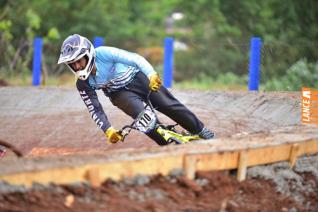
{"type": "Point", "coordinates": [213, 85]}
{"type": "Point", "coordinates": [64, 80]}
{"type": "Point", "coordinates": [68, 80]}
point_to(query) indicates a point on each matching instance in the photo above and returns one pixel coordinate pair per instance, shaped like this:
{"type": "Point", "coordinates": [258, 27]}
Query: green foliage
{"type": "Point", "coordinates": [17, 56]}
{"type": "Point", "coordinates": [5, 26]}
{"type": "Point", "coordinates": [34, 21]}
{"type": "Point", "coordinates": [301, 74]}
{"type": "Point", "coordinates": [227, 81]}
{"type": "Point", "coordinates": [53, 34]}
{"type": "Point", "coordinates": [217, 33]}
{"type": "Point", "coordinates": [231, 78]}
{"type": "Point", "coordinates": [219, 39]}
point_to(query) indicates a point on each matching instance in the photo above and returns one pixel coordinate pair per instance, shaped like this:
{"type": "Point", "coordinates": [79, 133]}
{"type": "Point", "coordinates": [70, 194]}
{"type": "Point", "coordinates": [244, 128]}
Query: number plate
{"type": "Point", "coordinates": [146, 121]}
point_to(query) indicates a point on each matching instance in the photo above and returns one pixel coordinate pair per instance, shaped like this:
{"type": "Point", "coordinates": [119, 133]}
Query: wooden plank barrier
{"type": "Point", "coordinates": [239, 159]}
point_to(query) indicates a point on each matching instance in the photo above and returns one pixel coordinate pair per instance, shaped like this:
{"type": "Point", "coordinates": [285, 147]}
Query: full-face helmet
{"type": "Point", "coordinates": [74, 48]}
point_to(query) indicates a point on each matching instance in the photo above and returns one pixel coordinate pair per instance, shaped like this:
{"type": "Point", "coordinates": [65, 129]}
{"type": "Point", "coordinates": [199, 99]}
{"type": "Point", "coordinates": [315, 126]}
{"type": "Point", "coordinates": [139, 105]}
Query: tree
{"type": "Point", "coordinates": [217, 32]}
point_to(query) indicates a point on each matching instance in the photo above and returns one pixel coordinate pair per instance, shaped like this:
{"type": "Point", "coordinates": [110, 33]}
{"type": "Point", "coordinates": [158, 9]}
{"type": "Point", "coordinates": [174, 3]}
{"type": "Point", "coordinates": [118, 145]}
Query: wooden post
{"type": "Point", "coordinates": [92, 175]}
{"type": "Point", "coordinates": [294, 152]}
{"type": "Point", "coordinates": [190, 163]}
{"type": "Point", "coordinates": [242, 165]}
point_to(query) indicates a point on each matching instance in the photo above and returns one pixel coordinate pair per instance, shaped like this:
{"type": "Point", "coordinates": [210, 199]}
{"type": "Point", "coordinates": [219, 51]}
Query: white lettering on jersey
{"type": "Point", "coordinates": [91, 108]}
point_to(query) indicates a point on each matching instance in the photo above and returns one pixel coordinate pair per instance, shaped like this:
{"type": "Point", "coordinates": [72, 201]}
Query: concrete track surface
{"type": "Point", "coordinates": [54, 122]}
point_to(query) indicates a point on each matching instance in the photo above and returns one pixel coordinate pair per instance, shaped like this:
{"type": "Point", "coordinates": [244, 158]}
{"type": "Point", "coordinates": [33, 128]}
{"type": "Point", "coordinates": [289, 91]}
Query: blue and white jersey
{"type": "Point", "coordinates": [115, 68]}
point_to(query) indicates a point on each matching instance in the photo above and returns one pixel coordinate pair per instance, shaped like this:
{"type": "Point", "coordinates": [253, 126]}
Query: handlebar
{"type": "Point", "coordinates": [125, 130]}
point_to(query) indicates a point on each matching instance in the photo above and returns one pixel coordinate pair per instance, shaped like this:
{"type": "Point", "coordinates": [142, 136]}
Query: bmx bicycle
{"type": "Point", "coordinates": [7, 149]}
{"type": "Point", "coordinates": [147, 120]}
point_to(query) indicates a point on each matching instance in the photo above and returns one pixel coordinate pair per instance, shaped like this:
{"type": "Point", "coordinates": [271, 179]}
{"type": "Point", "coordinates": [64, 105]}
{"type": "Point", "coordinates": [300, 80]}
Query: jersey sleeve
{"type": "Point", "coordinates": [132, 59]}
{"type": "Point", "coordinates": [90, 98]}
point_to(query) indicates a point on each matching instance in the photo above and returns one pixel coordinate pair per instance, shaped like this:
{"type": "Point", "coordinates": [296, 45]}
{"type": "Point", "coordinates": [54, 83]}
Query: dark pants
{"type": "Point", "coordinates": [130, 100]}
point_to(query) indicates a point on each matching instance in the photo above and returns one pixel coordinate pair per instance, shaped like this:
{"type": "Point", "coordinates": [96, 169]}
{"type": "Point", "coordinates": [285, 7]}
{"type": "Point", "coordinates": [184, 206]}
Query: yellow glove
{"type": "Point", "coordinates": [155, 82]}
{"type": "Point", "coordinates": [113, 135]}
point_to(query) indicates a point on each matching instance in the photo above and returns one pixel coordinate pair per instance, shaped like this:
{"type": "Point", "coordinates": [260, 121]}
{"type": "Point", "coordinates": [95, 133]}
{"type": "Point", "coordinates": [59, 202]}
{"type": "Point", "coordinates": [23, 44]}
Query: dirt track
{"type": "Point", "coordinates": [54, 121]}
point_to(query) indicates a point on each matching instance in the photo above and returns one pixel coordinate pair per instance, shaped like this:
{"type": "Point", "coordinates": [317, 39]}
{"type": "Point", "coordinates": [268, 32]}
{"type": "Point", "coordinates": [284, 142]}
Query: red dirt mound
{"type": "Point", "coordinates": [211, 191]}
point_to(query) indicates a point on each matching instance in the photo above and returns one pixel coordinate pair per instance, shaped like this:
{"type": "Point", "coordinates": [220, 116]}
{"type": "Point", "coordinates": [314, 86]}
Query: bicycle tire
{"type": "Point", "coordinates": [11, 148]}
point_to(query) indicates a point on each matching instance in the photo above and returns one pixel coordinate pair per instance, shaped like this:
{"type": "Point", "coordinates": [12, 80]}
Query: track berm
{"type": "Point", "coordinates": [53, 129]}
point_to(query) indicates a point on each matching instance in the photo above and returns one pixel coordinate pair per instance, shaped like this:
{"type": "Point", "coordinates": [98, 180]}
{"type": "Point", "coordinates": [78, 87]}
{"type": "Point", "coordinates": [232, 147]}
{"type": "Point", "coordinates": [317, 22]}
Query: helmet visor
{"type": "Point", "coordinates": [70, 49]}
{"type": "Point", "coordinates": [69, 53]}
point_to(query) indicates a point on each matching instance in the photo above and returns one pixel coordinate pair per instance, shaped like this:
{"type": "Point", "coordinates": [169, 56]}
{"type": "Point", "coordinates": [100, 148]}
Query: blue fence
{"type": "Point", "coordinates": [37, 61]}
{"type": "Point", "coordinates": [98, 41]}
{"type": "Point", "coordinates": [168, 63]}
{"type": "Point", "coordinates": [254, 62]}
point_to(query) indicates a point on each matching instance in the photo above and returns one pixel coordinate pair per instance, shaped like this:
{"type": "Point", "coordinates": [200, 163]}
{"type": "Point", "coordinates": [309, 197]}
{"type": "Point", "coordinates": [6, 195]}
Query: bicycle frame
{"type": "Point", "coordinates": [148, 120]}
{"type": "Point", "coordinates": [171, 136]}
